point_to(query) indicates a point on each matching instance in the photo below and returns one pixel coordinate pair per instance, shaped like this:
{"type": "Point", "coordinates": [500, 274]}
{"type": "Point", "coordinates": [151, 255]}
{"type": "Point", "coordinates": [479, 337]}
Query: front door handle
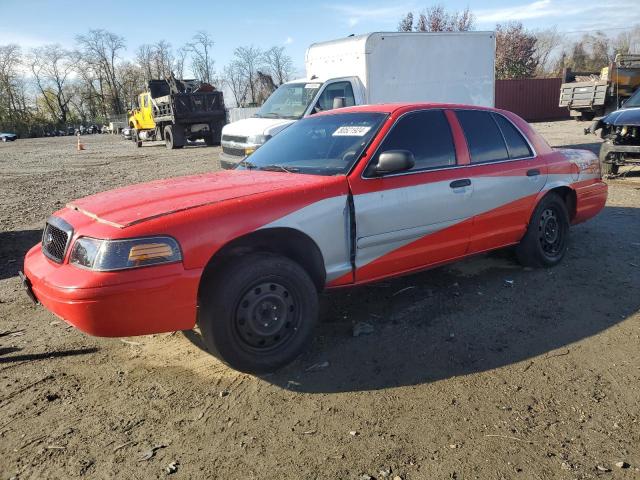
{"type": "Point", "coordinates": [463, 182]}
{"type": "Point", "coordinates": [533, 172]}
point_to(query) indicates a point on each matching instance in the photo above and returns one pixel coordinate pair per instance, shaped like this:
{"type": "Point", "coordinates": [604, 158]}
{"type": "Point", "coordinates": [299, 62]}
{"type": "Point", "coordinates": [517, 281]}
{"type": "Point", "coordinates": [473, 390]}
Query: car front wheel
{"type": "Point", "coordinates": [258, 313]}
{"type": "Point", "coordinates": [545, 242]}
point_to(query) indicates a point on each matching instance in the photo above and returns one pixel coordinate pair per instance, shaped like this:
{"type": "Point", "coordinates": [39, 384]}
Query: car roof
{"type": "Point", "coordinates": [391, 108]}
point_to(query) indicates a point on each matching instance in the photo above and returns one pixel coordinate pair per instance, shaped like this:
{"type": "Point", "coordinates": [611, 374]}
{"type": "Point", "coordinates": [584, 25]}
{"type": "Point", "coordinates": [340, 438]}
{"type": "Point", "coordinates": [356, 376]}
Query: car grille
{"type": "Point", "coordinates": [236, 152]}
{"type": "Point", "coordinates": [55, 238]}
{"type": "Point", "coordinates": [232, 138]}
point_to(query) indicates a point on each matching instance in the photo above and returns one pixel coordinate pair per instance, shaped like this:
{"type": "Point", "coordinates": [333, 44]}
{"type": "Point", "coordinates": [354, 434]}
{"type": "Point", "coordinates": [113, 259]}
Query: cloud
{"type": "Point", "coordinates": [288, 41]}
{"type": "Point", "coordinates": [355, 14]}
{"type": "Point", "coordinates": [573, 13]}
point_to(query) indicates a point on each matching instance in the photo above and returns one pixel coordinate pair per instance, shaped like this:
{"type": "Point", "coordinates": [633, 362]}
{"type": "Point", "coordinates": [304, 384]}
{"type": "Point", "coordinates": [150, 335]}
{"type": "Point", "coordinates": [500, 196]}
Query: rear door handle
{"type": "Point", "coordinates": [533, 172]}
{"type": "Point", "coordinates": [463, 182]}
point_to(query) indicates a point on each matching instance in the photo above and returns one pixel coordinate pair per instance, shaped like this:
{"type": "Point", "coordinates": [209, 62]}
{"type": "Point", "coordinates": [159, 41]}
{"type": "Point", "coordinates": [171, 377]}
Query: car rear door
{"type": "Point", "coordinates": [507, 177]}
{"type": "Point", "coordinates": [412, 219]}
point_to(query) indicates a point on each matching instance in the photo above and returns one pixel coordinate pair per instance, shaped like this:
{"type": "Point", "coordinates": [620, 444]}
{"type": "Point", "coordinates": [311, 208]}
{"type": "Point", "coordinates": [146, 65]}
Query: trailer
{"type": "Point", "coordinates": [592, 94]}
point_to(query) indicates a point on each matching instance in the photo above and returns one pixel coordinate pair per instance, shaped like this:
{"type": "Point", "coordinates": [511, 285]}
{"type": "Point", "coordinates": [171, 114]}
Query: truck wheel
{"type": "Point", "coordinates": [258, 313]}
{"type": "Point", "coordinates": [607, 168]}
{"type": "Point", "coordinates": [545, 242]}
{"type": "Point", "coordinates": [136, 139]}
{"type": "Point", "coordinates": [170, 139]}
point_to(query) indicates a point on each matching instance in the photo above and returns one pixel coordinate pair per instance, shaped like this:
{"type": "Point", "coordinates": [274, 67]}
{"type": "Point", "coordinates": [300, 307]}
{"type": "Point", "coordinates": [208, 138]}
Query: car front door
{"type": "Point", "coordinates": [419, 217]}
{"type": "Point", "coordinates": [507, 178]}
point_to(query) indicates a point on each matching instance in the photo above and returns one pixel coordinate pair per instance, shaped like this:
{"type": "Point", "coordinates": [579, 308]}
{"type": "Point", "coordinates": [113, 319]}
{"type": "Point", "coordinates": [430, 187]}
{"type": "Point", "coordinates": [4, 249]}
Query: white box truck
{"type": "Point", "coordinates": [451, 67]}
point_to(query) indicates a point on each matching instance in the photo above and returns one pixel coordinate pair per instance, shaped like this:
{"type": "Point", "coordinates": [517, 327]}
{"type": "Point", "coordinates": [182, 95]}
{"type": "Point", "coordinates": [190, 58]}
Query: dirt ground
{"type": "Point", "coordinates": [477, 370]}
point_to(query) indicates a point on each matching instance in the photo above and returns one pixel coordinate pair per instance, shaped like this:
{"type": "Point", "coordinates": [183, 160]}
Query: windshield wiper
{"type": "Point", "coordinates": [279, 168]}
{"type": "Point", "coordinates": [247, 164]}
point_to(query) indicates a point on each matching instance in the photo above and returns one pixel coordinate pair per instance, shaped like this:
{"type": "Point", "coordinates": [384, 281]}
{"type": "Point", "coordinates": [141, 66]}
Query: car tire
{"type": "Point", "coordinates": [545, 241]}
{"type": "Point", "coordinates": [607, 168]}
{"type": "Point", "coordinates": [258, 313]}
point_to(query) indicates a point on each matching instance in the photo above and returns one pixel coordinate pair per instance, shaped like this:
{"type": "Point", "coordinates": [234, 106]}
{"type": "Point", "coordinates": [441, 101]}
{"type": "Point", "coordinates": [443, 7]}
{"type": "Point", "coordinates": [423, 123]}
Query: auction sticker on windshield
{"type": "Point", "coordinates": [351, 131]}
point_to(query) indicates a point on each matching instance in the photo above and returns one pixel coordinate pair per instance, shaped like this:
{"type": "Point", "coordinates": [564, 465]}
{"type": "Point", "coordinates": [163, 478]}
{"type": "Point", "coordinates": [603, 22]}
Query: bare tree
{"type": "Point", "coordinates": [51, 66]}
{"type": "Point", "coordinates": [437, 19]}
{"type": "Point", "coordinates": [249, 61]}
{"type": "Point", "coordinates": [406, 23]}
{"type": "Point", "coordinates": [12, 110]}
{"type": "Point", "coordinates": [279, 65]}
{"type": "Point", "coordinates": [101, 50]}
{"type": "Point", "coordinates": [179, 61]}
{"type": "Point", "coordinates": [144, 57]}
{"type": "Point", "coordinates": [515, 51]}
{"type": "Point", "coordinates": [201, 57]}
{"type": "Point", "coordinates": [163, 58]}
{"type": "Point", "coordinates": [548, 41]}
{"type": "Point", "coordinates": [233, 78]}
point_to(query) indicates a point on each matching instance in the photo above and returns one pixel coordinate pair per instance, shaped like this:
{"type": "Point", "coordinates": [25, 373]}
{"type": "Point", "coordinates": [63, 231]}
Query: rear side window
{"type": "Point", "coordinates": [427, 135]}
{"type": "Point", "coordinates": [484, 139]}
{"type": "Point", "coordinates": [516, 144]}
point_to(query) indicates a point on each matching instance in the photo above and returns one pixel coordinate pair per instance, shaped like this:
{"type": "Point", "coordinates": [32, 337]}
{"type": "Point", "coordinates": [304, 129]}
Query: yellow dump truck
{"type": "Point", "coordinates": [178, 111]}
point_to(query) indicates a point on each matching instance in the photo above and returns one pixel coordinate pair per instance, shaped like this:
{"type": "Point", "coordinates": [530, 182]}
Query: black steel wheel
{"type": "Point", "coordinates": [550, 233]}
{"type": "Point", "coordinates": [266, 317]}
{"type": "Point", "coordinates": [545, 241]}
{"type": "Point", "coordinates": [257, 312]}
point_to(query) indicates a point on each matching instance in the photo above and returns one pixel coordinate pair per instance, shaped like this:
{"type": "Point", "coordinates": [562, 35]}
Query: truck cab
{"type": "Point", "coordinates": [290, 102]}
{"type": "Point", "coordinates": [141, 118]}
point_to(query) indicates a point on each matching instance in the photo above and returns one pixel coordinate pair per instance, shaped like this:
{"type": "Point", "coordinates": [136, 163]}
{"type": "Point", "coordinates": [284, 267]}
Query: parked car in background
{"type": "Point", "coordinates": [621, 133]}
{"type": "Point", "coordinates": [337, 199]}
{"type": "Point", "coordinates": [8, 137]}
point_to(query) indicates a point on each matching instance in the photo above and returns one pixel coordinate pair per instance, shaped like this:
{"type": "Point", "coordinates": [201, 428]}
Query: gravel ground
{"type": "Point", "coordinates": [481, 369]}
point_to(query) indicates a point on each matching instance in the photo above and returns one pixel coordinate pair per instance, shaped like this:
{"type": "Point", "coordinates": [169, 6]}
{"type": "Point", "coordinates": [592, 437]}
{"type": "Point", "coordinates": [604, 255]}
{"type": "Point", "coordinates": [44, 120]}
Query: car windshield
{"type": "Point", "coordinates": [319, 145]}
{"type": "Point", "coordinates": [634, 100]}
{"type": "Point", "coordinates": [289, 101]}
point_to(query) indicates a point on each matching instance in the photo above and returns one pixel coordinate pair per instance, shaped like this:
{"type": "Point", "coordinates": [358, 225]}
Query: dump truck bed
{"type": "Point", "coordinates": [580, 95]}
{"type": "Point", "coordinates": [189, 107]}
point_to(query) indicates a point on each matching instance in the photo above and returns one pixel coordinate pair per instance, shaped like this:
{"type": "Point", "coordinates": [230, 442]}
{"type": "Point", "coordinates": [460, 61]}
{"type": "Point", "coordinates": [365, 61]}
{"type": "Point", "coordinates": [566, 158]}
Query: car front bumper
{"type": "Point", "coordinates": [141, 301]}
{"type": "Point", "coordinates": [229, 162]}
{"type": "Point", "coordinates": [631, 153]}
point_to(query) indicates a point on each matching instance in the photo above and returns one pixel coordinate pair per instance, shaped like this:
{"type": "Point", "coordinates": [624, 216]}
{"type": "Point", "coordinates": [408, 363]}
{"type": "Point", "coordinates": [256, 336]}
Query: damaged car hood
{"type": "Point", "coordinates": [131, 205]}
{"type": "Point", "coordinates": [624, 116]}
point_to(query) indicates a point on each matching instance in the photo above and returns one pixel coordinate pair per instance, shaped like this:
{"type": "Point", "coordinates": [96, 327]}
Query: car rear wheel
{"type": "Point", "coordinates": [545, 242]}
{"type": "Point", "coordinates": [258, 313]}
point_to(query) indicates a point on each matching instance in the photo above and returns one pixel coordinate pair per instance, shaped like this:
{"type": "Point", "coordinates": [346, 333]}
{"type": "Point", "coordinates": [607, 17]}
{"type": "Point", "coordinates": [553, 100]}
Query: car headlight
{"type": "Point", "coordinates": [109, 255]}
{"type": "Point", "coordinates": [254, 142]}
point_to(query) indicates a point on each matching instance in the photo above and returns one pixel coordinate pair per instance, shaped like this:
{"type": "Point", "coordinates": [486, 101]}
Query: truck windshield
{"type": "Point", "coordinates": [289, 101]}
{"type": "Point", "coordinates": [319, 145]}
{"type": "Point", "coordinates": [634, 100]}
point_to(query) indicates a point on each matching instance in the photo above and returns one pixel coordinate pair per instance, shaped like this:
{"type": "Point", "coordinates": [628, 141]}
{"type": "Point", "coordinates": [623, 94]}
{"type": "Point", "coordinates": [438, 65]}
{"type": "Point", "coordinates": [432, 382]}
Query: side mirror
{"type": "Point", "coordinates": [339, 102]}
{"type": "Point", "coordinates": [393, 161]}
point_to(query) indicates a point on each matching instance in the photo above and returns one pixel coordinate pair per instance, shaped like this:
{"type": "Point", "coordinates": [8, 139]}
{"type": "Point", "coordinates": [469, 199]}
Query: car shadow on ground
{"type": "Point", "coordinates": [13, 247]}
{"type": "Point", "coordinates": [41, 356]}
{"type": "Point", "coordinates": [472, 316]}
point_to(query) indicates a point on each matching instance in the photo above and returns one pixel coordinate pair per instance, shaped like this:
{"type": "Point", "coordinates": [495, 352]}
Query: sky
{"type": "Point", "coordinates": [295, 25]}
